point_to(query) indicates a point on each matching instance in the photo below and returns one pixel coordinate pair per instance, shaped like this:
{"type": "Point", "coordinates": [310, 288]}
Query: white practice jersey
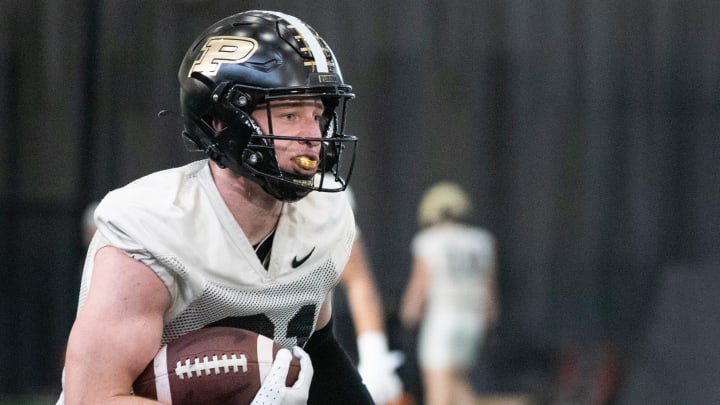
{"type": "Point", "coordinates": [460, 260]}
{"type": "Point", "coordinates": [176, 222]}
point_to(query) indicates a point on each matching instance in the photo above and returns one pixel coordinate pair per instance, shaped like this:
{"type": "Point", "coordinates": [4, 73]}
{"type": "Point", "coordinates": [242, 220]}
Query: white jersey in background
{"type": "Point", "coordinates": [461, 261]}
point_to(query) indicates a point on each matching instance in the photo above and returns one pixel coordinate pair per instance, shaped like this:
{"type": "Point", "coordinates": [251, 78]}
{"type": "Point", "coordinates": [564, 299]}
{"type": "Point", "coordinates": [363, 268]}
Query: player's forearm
{"type": "Point", "coordinates": [93, 378]}
{"type": "Point", "coordinates": [415, 295]}
{"type": "Point", "coordinates": [366, 308]}
{"type": "Point", "coordinates": [118, 400]}
{"type": "Point", "coordinates": [79, 388]}
{"type": "Point", "coordinates": [411, 311]}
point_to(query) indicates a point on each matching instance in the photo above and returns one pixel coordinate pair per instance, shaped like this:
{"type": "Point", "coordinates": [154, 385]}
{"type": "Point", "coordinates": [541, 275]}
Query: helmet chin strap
{"type": "Point", "coordinates": [286, 187]}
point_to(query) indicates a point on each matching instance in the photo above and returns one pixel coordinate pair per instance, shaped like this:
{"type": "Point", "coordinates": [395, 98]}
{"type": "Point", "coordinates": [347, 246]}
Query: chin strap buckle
{"type": "Point", "coordinates": [214, 153]}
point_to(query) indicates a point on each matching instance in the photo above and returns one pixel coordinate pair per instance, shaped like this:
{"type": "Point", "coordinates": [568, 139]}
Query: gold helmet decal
{"type": "Point", "coordinates": [220, 50]}
{"type": "Point", "coordinates": [310, 45]}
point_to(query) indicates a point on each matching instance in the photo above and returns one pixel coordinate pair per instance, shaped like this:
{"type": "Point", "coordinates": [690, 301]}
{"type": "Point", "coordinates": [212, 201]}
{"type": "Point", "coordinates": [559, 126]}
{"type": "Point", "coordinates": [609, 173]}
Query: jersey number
{"type": "Point", "coordinates": [300, 326]}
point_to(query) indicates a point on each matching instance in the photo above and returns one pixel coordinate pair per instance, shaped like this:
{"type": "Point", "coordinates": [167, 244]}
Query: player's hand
{"type": "Point", "coordinates": [273, 390]}
{"type": "Point", "coordinates": [377, 367]}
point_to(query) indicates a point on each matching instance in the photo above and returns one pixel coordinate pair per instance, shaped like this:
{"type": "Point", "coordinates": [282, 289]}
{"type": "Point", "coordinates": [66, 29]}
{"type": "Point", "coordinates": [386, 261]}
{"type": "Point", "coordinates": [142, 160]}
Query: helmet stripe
{"type": "Point", "coordinates": [315, 48]}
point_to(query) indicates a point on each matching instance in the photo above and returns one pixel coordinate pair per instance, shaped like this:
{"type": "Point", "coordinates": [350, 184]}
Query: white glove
{"type": "Point", "coordinates": [377, 367]}
{"type": "Point", "coordinates": [273, 390]}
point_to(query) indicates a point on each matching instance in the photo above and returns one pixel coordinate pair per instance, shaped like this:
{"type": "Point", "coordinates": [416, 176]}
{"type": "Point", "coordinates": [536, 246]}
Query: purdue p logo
{"type": "Point", "coordinates": [220, 50]}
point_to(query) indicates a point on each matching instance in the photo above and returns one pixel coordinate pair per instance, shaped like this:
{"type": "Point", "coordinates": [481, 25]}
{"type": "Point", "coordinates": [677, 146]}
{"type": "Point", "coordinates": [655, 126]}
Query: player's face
{"type": "Point", "coordinates": [298, 118]}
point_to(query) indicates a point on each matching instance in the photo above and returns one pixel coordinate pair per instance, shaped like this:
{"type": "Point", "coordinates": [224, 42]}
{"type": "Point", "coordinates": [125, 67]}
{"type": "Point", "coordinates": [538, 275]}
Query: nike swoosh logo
{"type": "Point", "coordinates": [296, 263]}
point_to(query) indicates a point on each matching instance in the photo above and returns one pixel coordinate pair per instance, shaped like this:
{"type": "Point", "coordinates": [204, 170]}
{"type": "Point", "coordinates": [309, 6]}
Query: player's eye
{"type": "Point", "coordinates": [288, 116]}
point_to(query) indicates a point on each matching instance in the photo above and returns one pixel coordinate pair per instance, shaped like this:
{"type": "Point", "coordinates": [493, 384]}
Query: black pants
{"type": "Point", "coordinates": [335, 379]}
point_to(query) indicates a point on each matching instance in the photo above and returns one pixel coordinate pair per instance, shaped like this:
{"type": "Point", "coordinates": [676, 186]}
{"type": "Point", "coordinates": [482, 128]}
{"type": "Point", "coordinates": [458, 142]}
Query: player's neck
{"type": "Point", "coordinates": [255, 211]}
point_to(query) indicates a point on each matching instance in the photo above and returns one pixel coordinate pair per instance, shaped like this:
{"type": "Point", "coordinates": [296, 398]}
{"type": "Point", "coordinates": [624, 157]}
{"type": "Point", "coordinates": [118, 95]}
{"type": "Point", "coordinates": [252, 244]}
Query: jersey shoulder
{"type": "Point", "coordinates": [152, 191]}
{"type": "Point", "coordinates": [322, 223]}
{"type": "Point", "coordinates": [154, 209]}
{"type": "Point", "coordinates": [324, 212]}
{"type": "Point", "coordinates": [437, 236]}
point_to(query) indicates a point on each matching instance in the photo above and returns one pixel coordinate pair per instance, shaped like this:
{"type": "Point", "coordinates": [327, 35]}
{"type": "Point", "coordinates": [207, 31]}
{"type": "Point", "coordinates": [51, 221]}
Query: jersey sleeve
{"type": "Point", "coordinates": [120, 229]}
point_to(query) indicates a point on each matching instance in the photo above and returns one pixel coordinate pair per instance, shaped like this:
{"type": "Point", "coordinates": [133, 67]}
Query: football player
{"type": "Point", "coordinates": [451, 292]}
{"type": "Point", "coordinates": [255, 236]}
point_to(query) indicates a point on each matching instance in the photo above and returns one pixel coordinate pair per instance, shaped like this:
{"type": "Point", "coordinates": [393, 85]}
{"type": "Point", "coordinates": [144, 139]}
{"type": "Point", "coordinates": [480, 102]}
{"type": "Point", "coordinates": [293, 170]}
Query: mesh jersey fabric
{"type": "Point", "coordinates": [176, 222]}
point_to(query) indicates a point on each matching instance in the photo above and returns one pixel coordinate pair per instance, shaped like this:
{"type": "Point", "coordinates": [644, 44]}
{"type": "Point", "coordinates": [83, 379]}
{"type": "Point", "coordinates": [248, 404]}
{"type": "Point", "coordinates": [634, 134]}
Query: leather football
{"type": "Point", "coordinates": [217, 365]}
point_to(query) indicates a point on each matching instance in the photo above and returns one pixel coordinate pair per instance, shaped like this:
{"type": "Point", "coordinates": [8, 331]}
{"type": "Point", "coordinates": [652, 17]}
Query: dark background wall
{"type": "Point", "coordinates": [586, 131]}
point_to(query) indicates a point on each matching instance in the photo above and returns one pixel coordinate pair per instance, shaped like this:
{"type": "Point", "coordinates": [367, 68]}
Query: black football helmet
{"type": "Point", "coordinates": [247, 60]}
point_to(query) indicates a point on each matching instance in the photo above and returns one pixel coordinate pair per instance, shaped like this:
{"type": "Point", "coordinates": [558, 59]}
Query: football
{"type": "Point", "coordinates": [217, 365]}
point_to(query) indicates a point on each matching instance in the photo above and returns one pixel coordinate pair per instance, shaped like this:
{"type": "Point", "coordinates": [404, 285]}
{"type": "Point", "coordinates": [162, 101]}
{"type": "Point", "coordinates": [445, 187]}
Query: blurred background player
{"type": "Point", "coordinates": [376, 364]}
{"type": "Point", "coordinates": [451, 294]}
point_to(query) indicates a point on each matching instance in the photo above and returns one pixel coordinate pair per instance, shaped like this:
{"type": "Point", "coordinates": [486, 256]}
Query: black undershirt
{"type": "Point", "coordinates": [263, 249]}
